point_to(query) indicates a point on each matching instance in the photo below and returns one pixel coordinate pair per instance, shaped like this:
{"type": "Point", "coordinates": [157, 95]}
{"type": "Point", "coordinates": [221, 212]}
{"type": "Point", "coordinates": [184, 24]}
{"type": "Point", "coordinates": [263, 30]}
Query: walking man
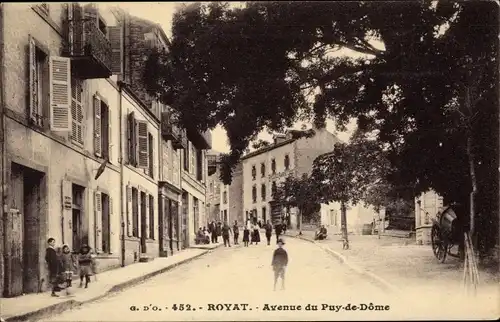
{"type": "Point", "coordinates": [225, 234]}
{"type": "Point", "coordinates": [269, 232]}
{"type": "Point", "coordinates": [278, 230]}
{"type": "Point", "coordinates": [213, 232]}
{"type": "Point", "coordinates": [236, 232]}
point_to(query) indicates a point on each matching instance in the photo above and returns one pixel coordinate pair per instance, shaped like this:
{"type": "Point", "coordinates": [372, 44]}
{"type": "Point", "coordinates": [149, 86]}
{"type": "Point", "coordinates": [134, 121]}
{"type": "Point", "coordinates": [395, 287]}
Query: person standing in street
{"type": "Point", "coordinates": [218, 231]}
{"type": "Point", "coordinates": [279, 263]}
{"type": "Point", "coordinates": [213, 232]}
{"type": "Point", "coordinates": [255, 235]}
{"type": "Point", "coordinates": [225, 234]}
{"type": "Point", "coordinates": [236, 232]}
{"type": "Point", "coordinates": [278, 231]}
{"type": "Point", "coordinates": [53, 264]}
{"type": "Point", "coordinates": [246, 235]}
{"type": "Point", "coordinates": [269, 232]}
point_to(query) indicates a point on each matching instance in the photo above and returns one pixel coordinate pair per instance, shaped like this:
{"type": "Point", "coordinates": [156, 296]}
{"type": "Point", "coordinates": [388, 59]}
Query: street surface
{"type": "Point", "coordinates": [243, 276]}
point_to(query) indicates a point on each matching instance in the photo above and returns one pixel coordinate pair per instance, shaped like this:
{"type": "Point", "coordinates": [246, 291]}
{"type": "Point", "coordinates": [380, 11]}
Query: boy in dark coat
{"type": "Point", "coordinates": [279, 263]}
{"type": "Point", "coordinates": [53, 264]}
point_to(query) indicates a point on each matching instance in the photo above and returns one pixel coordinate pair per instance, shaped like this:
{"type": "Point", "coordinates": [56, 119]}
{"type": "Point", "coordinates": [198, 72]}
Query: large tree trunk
{"type": "Point", "coordinates": [472, 172]}
{"type": "Point", "coordinates": [343, 222]}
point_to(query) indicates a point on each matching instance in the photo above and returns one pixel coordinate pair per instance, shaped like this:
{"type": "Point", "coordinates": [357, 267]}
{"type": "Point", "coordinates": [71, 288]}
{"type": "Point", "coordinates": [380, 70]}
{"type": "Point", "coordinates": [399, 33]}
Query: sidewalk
{"type": "Point", "coordinates": [35, 306]}
{"type": "Point", "coordinates": [400, 265]}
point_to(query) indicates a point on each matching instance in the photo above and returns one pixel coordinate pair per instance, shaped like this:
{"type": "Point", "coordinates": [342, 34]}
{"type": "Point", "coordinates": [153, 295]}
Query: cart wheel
{"type": "Point", "coordinates": [439, 247]}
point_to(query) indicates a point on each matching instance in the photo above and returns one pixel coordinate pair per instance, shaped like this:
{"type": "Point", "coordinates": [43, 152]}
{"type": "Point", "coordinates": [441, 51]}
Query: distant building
{"type": "Point", "coordinates": [213, 187]}
{"type": "Point", "coordinates": [264, 169]}
{"type": "Point", "coordinates": [426, 208]}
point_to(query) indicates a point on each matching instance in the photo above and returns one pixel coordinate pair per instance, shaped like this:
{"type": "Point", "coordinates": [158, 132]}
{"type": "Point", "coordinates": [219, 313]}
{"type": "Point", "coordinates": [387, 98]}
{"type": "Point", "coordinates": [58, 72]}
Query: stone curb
{"type": "Point", "coordinates": [374, 278]}
{"type": "Point", "coordinates": [70, 304]}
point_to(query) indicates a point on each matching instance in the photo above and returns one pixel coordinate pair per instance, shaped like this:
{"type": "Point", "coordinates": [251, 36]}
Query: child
{"type": "Point", "coordinates": [53, 265]}
{"type": "Point", "coordinates": [67, 266]}
{"type": "Point", "coordinates": [246, 236]}
{"type": "Point", "coordinates": [280, 261]}
{"type": "Point", "coordinates": [85, 261]}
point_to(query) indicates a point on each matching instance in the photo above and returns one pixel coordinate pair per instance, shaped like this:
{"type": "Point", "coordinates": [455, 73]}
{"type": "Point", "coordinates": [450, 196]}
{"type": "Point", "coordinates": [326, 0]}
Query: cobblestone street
{"type": "Point", "coordinates": [240, 275]}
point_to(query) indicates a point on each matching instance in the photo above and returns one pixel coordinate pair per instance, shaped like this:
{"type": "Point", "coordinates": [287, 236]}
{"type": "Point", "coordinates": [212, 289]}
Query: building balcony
{"type": "Point", "coordinates": [171, 132]}
{"type": "Point", "coordinates": [200, 140]}
{"type": "Point", "coordinates": [87, 46]}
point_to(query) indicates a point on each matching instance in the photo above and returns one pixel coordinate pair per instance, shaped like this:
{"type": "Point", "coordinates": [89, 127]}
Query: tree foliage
{"type": "Point", "coordinates": [300, 192]}
{"type": "Point", "coordinates": [426, 93]}
{"type": "Point", "coordinates": [260, 144]}
{"type": "Point", "coordinates": [347, 173]}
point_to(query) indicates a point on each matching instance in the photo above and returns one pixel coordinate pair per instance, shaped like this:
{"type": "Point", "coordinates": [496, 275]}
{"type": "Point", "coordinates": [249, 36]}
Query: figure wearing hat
{"type": "Point", "coordinates": [279, 263]}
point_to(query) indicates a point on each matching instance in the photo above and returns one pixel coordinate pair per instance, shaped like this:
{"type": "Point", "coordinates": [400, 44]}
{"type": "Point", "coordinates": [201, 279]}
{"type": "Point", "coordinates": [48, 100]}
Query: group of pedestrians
{"type": "Point", "coordinates": [62, 263]}
{"type": "Point", "coordinates": [251, 233]}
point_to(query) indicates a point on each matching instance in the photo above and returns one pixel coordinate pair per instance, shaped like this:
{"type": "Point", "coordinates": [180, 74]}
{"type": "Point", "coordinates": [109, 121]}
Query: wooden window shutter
{"type": "Point", "coordinates": [76, 110]}
{"type": "Point", "coordinates": [143, 148]}
{"type": "Point", "coordinates": [129, 211]}
{"type": "Point", "coordinates": [98, 221]}
{"type": "Point", "coordinates": [115, 35]}
{"type": "Point", "coordinates": [146, 200]}
{"type": "Point", "coordinates": [110, 136]}
{"type": "Point", "coordinates": [111, 226]}
{"type": "Point", "coordinates": [60, 93]}
{"type": "Point", "coordinates": [67, 203]}
{"type": "Point", "coordinates": [132, 140]}
{"type": "Point", "coordinates": [97, 126]}
{"type": "Point", "coordinates": [33, 82]}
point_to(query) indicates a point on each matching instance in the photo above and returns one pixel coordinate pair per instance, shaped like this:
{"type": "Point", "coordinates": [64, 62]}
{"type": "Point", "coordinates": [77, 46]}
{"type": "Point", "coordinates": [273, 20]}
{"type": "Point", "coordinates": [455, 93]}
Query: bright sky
{"type": "Point", "coordinates": [162, 13]}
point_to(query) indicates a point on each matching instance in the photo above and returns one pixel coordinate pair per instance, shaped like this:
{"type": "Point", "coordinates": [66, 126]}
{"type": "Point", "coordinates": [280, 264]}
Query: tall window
{"type": "Point", "coordinates": [39, 80]}
{"type": "Point", "coordinates": [224, 197]}
{"type": "Point", "coordinates": [264, 214]}
{"type": "Point", "coordinates": [262, 170]}
{"type": "Point", "coordinates": [273, 166]}
{"type": "Point", "coordinates": [199, 165]}
{"type": "Point", "coordinates": [287, 162]}
{"type": "Point", "coordinates": [274, 188]}
{"type": "Point", "coordinates": [186, 158]}
{"type": "Point", "coordinates": [138, 142]}
{"type": "Point", "coordinates": [151, 217]}
{"type": "Point", "coordinates": [192, 164]}
{"type": "Point", "coordinates": [254, 194]}
{"type": "Point", "coordinates": [254, 172]}
{"type": "Point", "coordinates": [263, 192]}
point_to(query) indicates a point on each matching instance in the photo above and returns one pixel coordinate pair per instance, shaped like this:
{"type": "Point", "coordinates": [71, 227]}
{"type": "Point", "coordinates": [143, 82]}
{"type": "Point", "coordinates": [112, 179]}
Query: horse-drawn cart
{"type": "Point", "coordinates": [447, 234]}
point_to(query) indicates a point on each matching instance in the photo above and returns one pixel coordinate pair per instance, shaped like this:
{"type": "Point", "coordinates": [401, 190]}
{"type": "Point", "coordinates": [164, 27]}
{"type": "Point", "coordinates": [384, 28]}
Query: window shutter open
{"type": "Point", "coordinates": [33, 86]}
{"type": "Point", "coordinates": [142, 140]}
{"type": "Point", "coordinates": [115, 35]}
{"type": "Point", "coordinates": [110, 137]}
{"type": "Point", "coordinates": [111, 226]}
{"type": "Point", "coordinates": [60, 93]}
{"type": "Point", "coordinates": [146, 200]}
{"type": "Point", "coordinates": [97, 126]}
{"type": "Point", "coordinates": [132, 140]}
{"type": "Point", "coordinates": [129, 211]}
{"type": "Point", "coordinates": [98, 221]}
{"type": "Point", "coordinates": [76, 110]}
{"type": "Point", "coordinates": [67, 203]}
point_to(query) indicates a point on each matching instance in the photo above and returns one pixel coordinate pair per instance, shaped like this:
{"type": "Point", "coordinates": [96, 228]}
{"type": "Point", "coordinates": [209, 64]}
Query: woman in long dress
{"type": "Point", "coordinates": [255, 235]}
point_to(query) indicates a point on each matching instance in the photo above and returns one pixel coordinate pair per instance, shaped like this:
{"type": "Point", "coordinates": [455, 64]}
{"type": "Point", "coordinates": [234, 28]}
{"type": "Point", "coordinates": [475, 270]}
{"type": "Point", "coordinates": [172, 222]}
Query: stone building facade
{"type": "Point", "coordinates": [263, 170]}
{"type": "Point", "coordinates": [87, 156]}
{"type": "Point", "coordinates": [61, 165]}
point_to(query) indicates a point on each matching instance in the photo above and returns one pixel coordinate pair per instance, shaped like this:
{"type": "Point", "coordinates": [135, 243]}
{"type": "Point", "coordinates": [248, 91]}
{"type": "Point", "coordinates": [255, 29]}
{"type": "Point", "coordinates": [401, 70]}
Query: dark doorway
{"type": "Point", "coordinates": [185, 213]}
{"type": "Point", "coordinates": [77, 217]}
{"type": "Point", "coordinates": [144, 230]}
{"type": "Point", "coordinates": [22, 232]}
{"type": "Point", "coordinates": [105, 222]}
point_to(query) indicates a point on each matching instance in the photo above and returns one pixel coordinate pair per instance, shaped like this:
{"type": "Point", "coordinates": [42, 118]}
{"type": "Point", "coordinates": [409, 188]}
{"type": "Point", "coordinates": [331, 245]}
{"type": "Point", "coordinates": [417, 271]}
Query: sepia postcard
{"type": "Point", "coordinates": [249, 161]}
